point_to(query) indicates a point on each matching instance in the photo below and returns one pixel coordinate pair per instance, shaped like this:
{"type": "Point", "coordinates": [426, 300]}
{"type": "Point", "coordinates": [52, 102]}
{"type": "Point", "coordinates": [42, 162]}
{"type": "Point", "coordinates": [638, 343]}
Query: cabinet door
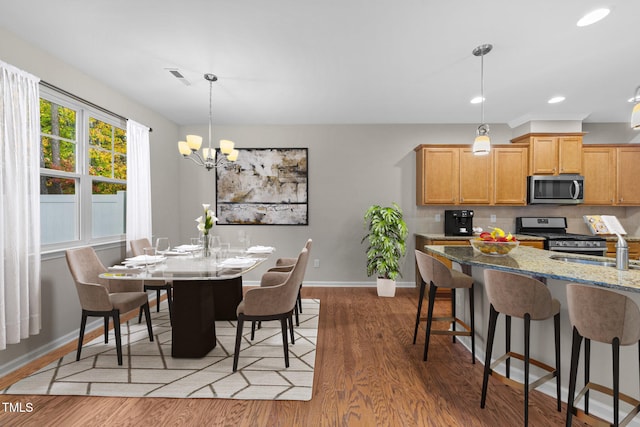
{"type": "Point", "coordinates": [570, 154]}
{"type": "Point", "coordinates": [475, 177]}
{"type": "Point", "coordinates": [440, 174]}
{"type": "Point", "coordinates": [510, 176]}
{"type": "Point", "coordinates": [599, 175]}
{"type": "Point", "coordinates": [544, 155]}
{"type": "Point", "coordinates": [627, 186]}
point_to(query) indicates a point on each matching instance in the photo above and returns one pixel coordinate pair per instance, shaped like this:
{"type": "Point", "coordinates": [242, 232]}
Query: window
{"type": "Point", "coordinates": [83, 172]}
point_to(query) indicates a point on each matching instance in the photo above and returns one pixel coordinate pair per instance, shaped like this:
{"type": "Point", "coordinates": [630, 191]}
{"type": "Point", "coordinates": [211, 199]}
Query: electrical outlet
{"type": "Point", "coordinates": [492, 218]}
{"type": "Point", "coordinates": [437, 217]}
{"type": "Point", "coordinates": [316, 263]}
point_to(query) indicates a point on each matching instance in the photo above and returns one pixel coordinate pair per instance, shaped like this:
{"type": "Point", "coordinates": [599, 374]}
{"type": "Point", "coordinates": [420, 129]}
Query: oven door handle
{"type": "Point", "coordinates": [575, 189]}
{"type": "Point", "coordinates": [578, 249]}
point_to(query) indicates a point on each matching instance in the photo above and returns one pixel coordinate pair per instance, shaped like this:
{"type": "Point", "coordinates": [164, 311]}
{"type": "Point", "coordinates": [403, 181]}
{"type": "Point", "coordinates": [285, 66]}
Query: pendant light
{"type": "Point", "coordinates": [482, 143]}
{"type": "Point", "coordinates": [635, 114]}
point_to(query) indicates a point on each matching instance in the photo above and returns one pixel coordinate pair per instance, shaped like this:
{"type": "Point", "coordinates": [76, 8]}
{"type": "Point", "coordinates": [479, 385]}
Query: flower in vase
{"type": "Point", "coordinates": [205, 222]}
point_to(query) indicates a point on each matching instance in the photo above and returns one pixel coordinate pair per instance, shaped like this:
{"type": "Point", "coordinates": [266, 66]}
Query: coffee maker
{"type": "Point", "coordinates": [458, 222]}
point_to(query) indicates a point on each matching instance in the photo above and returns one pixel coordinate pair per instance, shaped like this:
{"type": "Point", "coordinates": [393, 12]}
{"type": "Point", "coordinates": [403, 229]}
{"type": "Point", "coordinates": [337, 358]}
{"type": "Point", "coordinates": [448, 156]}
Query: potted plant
{"type": "Point", "coordinates": [386, 234]}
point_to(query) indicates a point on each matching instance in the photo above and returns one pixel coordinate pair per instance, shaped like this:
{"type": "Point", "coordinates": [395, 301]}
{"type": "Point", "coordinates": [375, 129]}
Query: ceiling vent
{"type": "Point", "coordinates": [178, 75]}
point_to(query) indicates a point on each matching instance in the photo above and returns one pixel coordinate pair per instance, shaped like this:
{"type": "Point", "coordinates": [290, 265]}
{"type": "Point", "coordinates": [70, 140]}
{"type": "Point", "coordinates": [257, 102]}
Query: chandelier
{"type": "Point", "coordinates": [482, 143]}
{"type": "Point", "coordinates": [189, 148]}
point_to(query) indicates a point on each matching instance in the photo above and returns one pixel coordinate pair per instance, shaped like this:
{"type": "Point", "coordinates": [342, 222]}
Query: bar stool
{"type": "Point", "coordinates": [437, 274]}
{"type": "Point", "coordinates": [607, 317]}
{"type": "Point", "coordinates": [524, 297]}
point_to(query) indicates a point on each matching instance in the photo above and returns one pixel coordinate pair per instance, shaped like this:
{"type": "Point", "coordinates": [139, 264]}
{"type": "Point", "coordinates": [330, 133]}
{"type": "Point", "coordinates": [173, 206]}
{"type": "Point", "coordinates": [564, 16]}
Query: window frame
{"type": "Point", "coordinates": [84, 181]}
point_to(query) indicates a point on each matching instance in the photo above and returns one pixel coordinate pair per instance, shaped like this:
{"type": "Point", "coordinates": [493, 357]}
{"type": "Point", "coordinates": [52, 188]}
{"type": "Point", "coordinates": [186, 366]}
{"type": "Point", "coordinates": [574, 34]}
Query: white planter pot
{"type": "Point", "coordinates": [386, 287]}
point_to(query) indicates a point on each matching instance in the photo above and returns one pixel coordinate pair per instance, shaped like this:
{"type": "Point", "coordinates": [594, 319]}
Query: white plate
{"type": "Point", "coordinates": [260, 250]}
{"type": "Point", "coordinates": [188, 248]}
{"type": "Point", "coordinates": [144, 259]}
{"type": "Point", "coordinates": [125, 269]}
{"type": "Point", "coordinates": [237, 263]}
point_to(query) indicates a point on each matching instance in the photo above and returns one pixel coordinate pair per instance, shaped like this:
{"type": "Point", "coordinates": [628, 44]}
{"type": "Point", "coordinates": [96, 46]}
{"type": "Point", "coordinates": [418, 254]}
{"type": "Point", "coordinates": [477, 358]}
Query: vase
{"type": "Point", "coordinates": [206, 250]}
{"type": "Point", "coordinates": [386, 287]}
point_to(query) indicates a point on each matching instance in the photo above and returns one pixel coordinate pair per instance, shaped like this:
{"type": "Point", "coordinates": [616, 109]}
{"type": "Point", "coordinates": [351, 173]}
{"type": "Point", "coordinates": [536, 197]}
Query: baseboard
{"type": "Point", "coordinates": [326, 284]}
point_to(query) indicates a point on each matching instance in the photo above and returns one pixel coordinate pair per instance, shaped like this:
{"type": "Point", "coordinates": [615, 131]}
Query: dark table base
{"type": "Point", "coordinates": [197, 304]}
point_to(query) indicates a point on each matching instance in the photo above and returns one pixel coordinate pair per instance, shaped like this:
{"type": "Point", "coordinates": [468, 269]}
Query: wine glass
{"type": "Point", "coordinates": [162, 245]}
{"type": "Point", "coordinates": [215, 245]}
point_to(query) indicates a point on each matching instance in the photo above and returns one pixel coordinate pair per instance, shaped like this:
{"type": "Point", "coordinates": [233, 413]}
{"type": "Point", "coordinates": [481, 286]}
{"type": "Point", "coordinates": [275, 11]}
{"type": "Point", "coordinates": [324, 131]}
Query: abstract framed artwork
{"type": "Point", "coordinates": [265, 186]}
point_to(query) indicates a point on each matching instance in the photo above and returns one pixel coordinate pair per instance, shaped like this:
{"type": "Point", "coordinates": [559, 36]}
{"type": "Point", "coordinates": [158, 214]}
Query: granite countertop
{"type": "Point", "coordinates": [440, 236]}
{"type": "Point", "coordinates": [538, 262]}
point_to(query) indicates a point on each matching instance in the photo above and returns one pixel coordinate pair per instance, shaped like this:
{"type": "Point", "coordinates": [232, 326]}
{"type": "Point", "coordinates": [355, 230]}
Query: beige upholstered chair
{"type": "Point", "coordinates": [437, 275]}
{"type": "Point", "coordinates": [137, 249]}
{"type": "Point", "coordinates": [285, 265]}
{"type": "Point", "coordinates": [275, 302]}
{"type": "Point", "coordinates": [516, 295]}
{"type": "Point", "coordinates": [102, 298]}
{"type": "Point", "coordinates": [608, 317]}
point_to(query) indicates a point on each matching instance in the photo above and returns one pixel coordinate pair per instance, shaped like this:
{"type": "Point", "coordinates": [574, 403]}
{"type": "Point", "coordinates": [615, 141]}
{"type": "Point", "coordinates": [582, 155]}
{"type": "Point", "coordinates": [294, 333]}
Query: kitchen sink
{"type": "Point", "coordinates": [602, 263]}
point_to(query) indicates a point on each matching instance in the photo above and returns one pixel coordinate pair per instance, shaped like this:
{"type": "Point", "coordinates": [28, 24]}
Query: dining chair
{"type": "Point", "coordinates": [137, 249]}
{"type": "Point", "coordinates": [275, 302]}
{"type": "Point", "coordinates": [285, 265]}
{"type": "Point", "coordinates": [103, 298]}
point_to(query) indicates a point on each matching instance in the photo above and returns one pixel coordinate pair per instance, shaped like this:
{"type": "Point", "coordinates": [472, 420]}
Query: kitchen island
{"type": "Point", "coordinates": [541, 264]}
{"type": "Point", "coordinates": [556, 274]}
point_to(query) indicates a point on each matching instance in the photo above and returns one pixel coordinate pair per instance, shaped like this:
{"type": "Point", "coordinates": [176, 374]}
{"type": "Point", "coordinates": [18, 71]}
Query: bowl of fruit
{"type": "Point", "coordinates": [496, 243]}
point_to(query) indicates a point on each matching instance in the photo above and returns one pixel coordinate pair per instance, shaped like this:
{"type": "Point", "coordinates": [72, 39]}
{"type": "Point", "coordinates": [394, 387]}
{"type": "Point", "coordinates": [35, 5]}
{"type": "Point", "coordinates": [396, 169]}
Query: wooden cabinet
{"type": "Point", "coordinates": [475, 177]}
{"type": "Point", "coordinates": [634, 249]}
{"type": "Point", "coordinates": [436, 175]}
{"type": "Point", "coordinates": [510, 175]}
{"type": "Point", "coordinates": [453, 175]}
{"type": "Point", "coordinates": [599, 175]}
{"type": "Point", "coordinates": [627, 183]}
{"type": "Point", "coordinates": [610, 174]}
{"type": "Point", "coordinates": [551, 154]}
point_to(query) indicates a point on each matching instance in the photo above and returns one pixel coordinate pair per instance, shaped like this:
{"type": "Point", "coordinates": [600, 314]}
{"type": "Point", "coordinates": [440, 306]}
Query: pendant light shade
{"type": "Point", "coordinates": [635, 113]}
{"type": "Point", "coordinates": [482, 143]}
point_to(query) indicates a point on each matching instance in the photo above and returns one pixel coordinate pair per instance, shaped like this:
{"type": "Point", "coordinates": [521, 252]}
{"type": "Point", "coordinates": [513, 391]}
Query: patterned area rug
{"type": "Point", "coordinates": [148, 369]}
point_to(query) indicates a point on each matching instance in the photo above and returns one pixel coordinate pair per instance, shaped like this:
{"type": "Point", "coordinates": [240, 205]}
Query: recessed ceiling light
{"type": "Point", "coordinates": [592, 17]}
{"type": "Point", "coordinates": [477, 100]}
{"type": "Point", "coordinates": [556, 99]}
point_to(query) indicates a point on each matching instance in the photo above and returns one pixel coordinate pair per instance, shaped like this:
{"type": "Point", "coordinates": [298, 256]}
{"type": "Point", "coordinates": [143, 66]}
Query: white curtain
{"type": "Point", "coordinates": [138, 183]}
{"type": "Point", "coordinates": [20, 209]}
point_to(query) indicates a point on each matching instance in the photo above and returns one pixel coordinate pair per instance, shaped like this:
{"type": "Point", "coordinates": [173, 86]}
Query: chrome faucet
{"type": "Point", "coordinates": [622, 254]}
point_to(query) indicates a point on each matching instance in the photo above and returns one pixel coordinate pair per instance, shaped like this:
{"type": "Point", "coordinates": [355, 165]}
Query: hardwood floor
{"type": "Point", "coordinates": [367, 373]}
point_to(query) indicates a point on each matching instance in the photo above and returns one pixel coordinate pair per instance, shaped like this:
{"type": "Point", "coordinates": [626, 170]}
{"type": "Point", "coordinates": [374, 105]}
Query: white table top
{"type": "Point", "coordinates": [190, 267]}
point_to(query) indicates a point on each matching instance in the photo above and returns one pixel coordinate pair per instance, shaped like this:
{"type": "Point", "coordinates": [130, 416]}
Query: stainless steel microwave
{"type": "Point", "coordinates": [555, 189]}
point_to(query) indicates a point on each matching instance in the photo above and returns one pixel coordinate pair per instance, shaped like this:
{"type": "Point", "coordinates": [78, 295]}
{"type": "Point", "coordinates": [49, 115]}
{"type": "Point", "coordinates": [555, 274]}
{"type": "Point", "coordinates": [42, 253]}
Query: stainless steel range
{"type": "Point", "coordinates": [554, 230]}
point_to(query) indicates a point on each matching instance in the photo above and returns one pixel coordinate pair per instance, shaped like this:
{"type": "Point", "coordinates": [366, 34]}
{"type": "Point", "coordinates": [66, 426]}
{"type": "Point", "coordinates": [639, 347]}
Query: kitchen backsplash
{"type": "Point", "coordinates": [505, 217]}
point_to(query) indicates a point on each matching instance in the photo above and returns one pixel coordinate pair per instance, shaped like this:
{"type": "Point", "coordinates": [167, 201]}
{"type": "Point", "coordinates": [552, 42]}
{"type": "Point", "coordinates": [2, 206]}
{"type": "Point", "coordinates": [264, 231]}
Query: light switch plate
{"type": "Point", "coordinates": [437, 217]}
{"type": "Point", "coordinates": [492, 218]}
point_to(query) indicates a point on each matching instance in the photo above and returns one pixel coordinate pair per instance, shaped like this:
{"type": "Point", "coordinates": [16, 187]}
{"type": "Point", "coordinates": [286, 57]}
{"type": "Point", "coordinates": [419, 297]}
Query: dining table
{"type": "Point", "coordinates": [205, 289]}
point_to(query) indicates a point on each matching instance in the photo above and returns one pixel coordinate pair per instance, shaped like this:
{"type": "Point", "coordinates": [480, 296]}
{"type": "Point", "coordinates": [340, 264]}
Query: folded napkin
{"type": "Point", "coordinates": [144, 259]}
{"type": "Point", "coordinates": [237, 263]}
{"type": "Point", "coordinates": [260, 249]}
{"type": "Point", "coordinates": [125, 268]}
{"type": "Point", "coordinates": [187, 248]}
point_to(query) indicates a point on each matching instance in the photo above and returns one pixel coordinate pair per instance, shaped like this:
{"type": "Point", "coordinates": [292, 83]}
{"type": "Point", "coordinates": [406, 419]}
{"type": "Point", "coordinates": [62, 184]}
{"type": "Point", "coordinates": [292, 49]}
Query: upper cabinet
{"type": "Point", "coordinates": [453, 175]}
{"type": "Point", "coordinates": [510, 174]}
{"type": "Point", "coordinates": [610, 174]}
{"type": "Point", "coordinates": [553, 154]}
